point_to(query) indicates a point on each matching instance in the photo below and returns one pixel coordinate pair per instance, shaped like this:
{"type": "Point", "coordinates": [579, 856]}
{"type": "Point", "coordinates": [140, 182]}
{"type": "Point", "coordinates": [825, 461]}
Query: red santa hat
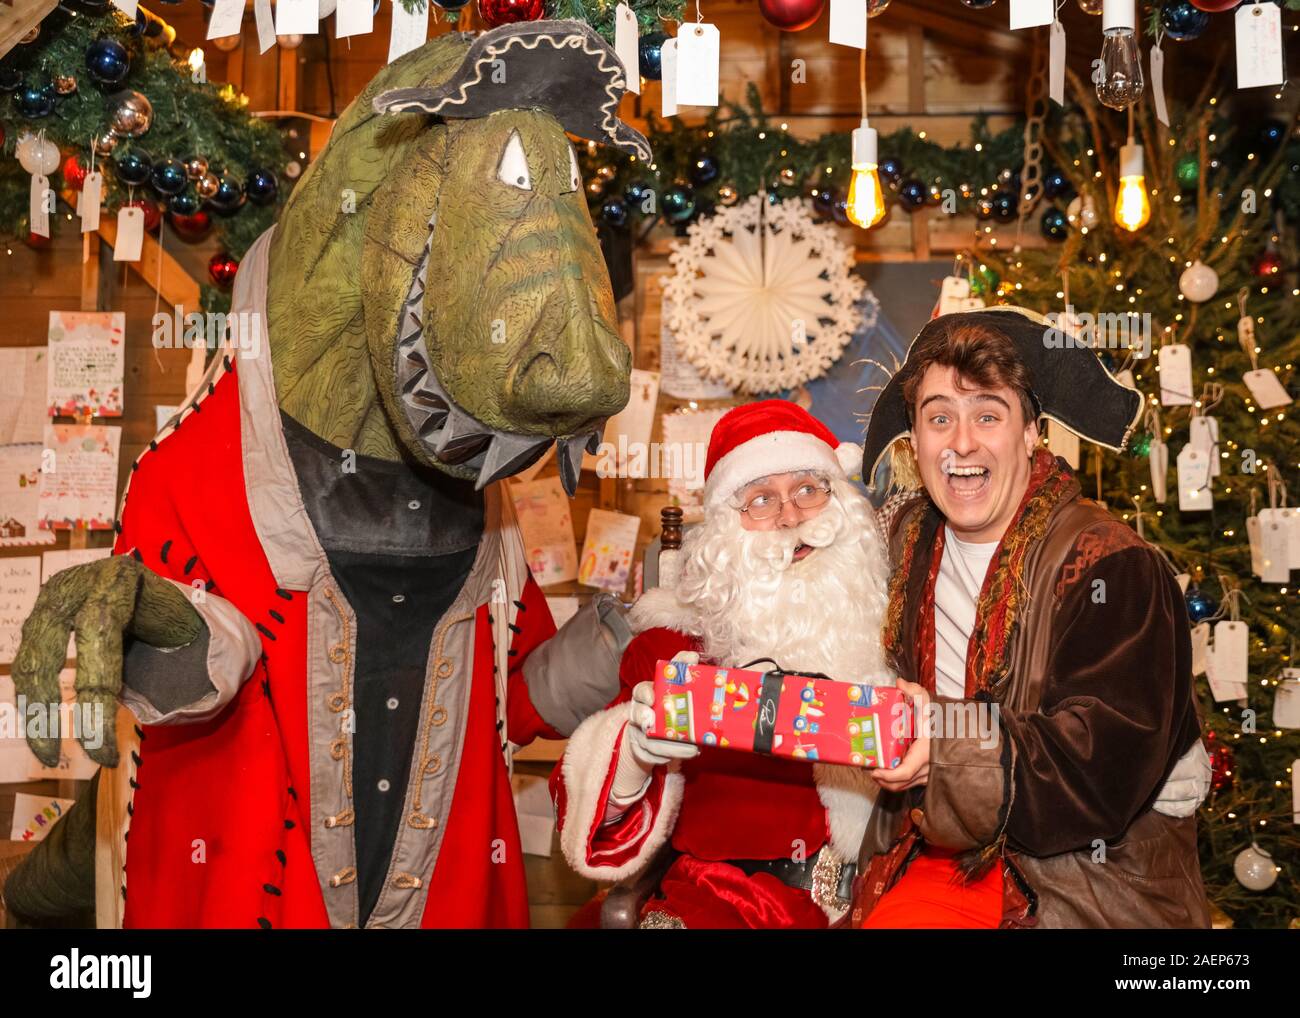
{"type": "Point", "coordinates": [772, 436]}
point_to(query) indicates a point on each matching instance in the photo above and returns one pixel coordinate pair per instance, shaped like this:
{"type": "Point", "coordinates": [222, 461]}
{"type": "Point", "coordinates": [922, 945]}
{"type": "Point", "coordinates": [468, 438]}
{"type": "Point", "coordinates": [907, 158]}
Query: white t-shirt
{"type": "Point", "coordinates": [956, 590]}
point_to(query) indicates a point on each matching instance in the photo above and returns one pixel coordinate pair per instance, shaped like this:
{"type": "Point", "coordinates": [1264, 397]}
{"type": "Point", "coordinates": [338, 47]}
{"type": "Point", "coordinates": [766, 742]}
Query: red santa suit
{"type": "Point", "coordinates": [724, 812]}
{"type": "Point", "coordinates": [237, 811]}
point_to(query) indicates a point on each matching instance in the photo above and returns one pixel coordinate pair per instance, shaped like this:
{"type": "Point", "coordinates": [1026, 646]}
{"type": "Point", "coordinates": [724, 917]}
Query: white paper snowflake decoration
{"type": "Point", "coordinates": [763, 296]}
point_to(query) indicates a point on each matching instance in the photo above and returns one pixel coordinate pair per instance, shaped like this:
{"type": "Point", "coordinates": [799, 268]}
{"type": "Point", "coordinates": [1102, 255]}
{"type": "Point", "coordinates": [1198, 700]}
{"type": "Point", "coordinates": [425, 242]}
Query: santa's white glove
{"type": "Point", "coordinates": [1187, 784]}
{"type": "Point", "coordinates": [639, 754]}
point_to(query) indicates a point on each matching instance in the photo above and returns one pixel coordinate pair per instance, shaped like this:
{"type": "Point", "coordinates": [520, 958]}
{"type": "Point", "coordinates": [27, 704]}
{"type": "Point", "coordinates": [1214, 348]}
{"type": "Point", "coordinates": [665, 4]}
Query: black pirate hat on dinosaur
{"type": "Point", "coordinates": [1068, 383]}
{"type": "Point", "coordinates": [562, 67]}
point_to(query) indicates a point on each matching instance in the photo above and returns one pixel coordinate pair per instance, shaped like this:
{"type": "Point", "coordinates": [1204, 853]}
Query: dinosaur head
{"type": "Point", "coordinates": [483, 305]}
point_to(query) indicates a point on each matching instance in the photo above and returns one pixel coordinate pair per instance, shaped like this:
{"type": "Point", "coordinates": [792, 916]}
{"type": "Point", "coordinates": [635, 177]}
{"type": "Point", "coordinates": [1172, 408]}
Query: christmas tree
{"type": "Point", "coordinates": [1212, 183]}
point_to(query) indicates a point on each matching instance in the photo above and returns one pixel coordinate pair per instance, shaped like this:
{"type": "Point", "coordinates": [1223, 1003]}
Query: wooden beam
{"type": "Point", "coordinates": [18, 17]}
{"type": "Point", "coordinates": [915, 69]}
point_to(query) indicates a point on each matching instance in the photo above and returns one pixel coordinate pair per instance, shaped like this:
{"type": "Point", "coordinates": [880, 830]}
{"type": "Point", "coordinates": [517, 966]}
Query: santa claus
{"type": "Point", "coordinates": [787, 565]}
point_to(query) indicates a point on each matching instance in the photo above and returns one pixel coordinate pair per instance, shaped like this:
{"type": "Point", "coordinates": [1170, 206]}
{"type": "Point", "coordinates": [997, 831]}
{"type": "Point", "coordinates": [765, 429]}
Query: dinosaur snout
{"type": "Point", "coordinates": [559, 384]}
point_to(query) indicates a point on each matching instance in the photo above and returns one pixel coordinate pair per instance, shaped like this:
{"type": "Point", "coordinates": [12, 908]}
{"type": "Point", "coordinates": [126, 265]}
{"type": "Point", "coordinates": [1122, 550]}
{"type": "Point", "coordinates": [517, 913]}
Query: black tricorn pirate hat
{"type": "Point", "coordinates": [562, 67]}
{"type": "Point", "coordinates": [1068, 382]}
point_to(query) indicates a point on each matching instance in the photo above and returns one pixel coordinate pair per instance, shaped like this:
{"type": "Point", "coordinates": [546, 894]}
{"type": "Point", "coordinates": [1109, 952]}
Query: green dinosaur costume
{"type": "Point", "coordinates": [436, 313]}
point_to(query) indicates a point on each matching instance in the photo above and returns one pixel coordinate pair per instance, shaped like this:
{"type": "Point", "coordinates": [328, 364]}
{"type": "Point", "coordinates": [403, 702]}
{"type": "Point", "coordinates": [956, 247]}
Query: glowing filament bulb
{"type": "Point", "coordinates": [866, 202]}
{"type": "Point", "coordinates": [1132, 206]}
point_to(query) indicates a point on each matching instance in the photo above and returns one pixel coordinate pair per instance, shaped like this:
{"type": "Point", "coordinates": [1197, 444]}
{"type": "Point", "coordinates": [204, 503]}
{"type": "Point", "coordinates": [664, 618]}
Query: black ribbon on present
{"type": "Point", "coordinates": [769, 696]}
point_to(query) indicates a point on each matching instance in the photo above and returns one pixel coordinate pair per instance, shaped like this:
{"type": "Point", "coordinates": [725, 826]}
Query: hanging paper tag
{"type": "Point", "coordinates": [1125, 377]}
{"type": "Point", "coordinates": [1175, 375]}
{"type": "Point", "coordinates": [1267, 388]}
{"type": "Point", "coordinates": [1228, 674]}
{"type": "Point", "coordinates": [1031, 13]}
{"type": "Point", "coordinates": [1183, 579]}
{"type": "Point", "coordinates": [1194, 480]}
{"type": "Point", "coordinates": [265, 25]}
{"type": "Point", "coordinates": [227, 18]}
{"type": "Point", "coordinates": [954, 295]}
{"type": "Point", "coordinates": [1056, 63]}
{"type": "Point", "coordinates": [354, 17]}
{"type": "Point", "coordinates": [697, 64]}
{"type": "Point", "coordinates": [1286, 701]}
{"type": "Point", "coordinates": [1259, 45]}
{"type": "Point", "coordinates": [1205, 436]}
{"type": "Point", "coordinates": [849, 23]}
{"type": "Point", "coordinates": [1295, 790]}
{"type": "Point", "coordinates": [1158, 84]}
{"type": "Point", "coordinates": [88, 204]}
{"type": "Point", "coordinates": [410, 31]}
{"type": "Point", "coordinates": [1159, 457]}
{"type": "Point", "coordinates": [297, 17]}
{"type": "Point", "coordinates": [130, 234]}
{"type": "Point", "coordinates": [1274, 546]}
{"type": "Point", "coordinates": [668, 78]}
{"type": "Point", "coordinates": [1292, 517]}
{"type": "Point", "coordinates": [626, 45]}
{"type": "Point", "coordinates": [1256, 545]}
{"type": "Point", "coordinates": [1063, 442]}
{"type": "Point", "coordinates": [1200, 648]}
{"type": "Point", "coordinates": [128, 7]}
{"type": "Point", "coordinates": [39, 207]}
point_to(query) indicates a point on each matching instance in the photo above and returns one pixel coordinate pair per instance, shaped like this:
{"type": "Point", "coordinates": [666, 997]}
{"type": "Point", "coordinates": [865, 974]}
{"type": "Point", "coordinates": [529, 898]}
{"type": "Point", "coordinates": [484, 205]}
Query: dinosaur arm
{"type": "Point", "coordinates": [174, 673]}
{"type": "Point", "coordinates": [562, 678]}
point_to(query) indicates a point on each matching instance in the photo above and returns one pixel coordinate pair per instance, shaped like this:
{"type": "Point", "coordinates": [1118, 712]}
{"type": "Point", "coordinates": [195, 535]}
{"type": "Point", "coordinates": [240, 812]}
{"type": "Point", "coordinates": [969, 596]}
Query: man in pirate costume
{"type": "Point", "coordinates": [1012, 593]}
{"type": "Point", "coordinates": [320, 610]}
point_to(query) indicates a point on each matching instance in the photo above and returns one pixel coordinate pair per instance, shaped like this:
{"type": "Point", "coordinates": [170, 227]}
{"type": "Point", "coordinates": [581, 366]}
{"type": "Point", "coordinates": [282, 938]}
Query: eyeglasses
{"type": "Point", "coordinates": [766, 506]}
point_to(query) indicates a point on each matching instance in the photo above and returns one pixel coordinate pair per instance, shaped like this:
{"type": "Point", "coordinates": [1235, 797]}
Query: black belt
{"type": "Point", "coordinates": [797, 874]}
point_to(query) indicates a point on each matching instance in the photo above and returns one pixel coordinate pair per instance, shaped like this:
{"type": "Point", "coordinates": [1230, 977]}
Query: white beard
{"type": "Point", "coordinates": [821, 614]}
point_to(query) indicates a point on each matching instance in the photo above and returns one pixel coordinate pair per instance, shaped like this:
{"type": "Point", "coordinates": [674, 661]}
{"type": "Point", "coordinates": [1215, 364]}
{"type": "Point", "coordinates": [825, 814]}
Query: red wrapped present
{"type": "Point", "coordinates": [781, 714]}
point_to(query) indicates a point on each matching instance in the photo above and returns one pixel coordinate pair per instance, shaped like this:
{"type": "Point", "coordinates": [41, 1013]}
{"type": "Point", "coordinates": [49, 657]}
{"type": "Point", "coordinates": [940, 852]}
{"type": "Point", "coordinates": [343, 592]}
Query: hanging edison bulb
{"type": "Point", "coordinates": [866, 202]}
{"type": "Point", "coordinates": [1132, 206]}
{"type": "Point", "coordinates": [1119, 81]}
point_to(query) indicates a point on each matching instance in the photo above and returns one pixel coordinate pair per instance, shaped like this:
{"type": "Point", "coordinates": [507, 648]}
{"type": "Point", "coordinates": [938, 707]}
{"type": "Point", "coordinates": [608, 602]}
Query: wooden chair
{"type": "Point", "coordinates": [621, 909]}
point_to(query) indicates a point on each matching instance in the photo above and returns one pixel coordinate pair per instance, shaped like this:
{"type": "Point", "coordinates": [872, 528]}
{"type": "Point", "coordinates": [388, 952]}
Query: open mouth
{"type": "Point", "coordinates": [453, 435]}
{"type": "Point", "coordinates": [967, 481]}
{"type": "Point", "coordinates": [802, 551]}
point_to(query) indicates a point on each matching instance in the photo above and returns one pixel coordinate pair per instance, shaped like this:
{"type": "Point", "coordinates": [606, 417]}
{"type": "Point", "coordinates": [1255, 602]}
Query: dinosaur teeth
{"type": "Point", "coordinates": [569, 453]}
{"type": "Point", "coordinates": [508, 454]}
{"type": "Point", "coordinates": [461, 437]}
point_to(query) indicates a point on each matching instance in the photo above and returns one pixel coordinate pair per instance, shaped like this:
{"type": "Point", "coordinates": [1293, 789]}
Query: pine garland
{"type": "Point", "coordinates": [189, 118]}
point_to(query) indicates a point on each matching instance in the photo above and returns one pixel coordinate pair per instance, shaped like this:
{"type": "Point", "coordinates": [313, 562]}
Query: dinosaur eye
{"type": "Point", "coordinates": [574, 176]}
{"type": "Point", "coordinates": [514, 165]}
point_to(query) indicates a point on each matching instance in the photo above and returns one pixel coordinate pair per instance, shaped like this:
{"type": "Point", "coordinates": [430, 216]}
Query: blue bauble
{"type": "Point", "coordinates": [614, 212]}
{"type": "Point", "coordinates": [912, 194]}
{"type": "Point", "coordinates": [107, 61]}
{"type": "Point", "coordinates": [1182, 21]}
{"type": "Point", "coordinates": [1271, 134]}
{"type": "Point", "coordinates": [979, 5]}
{"type": "Point", "coordinates": [451, 5]}
{"type": "Point", "coordinates": [11, 79]}
{"type": "Point", "coordinates": [133, 168]}
{"type": "Point", "coordinates": [168, 178]}
{"type": "Point", "coordinates": [1057, 185]}
{"type": "Point", "coordinates": [1200, 606]}
{"type": "Point", "coordinates": [261, 187]}
{"type": "Point", "coordinates": [824, 203]}
{"type": "Point", "coordinates": [841, 209]}
{"type": "Point", "coordinates": [228, 198]}
{"type": "Point", "coordinates": [33, 103]}
{"type": "Point", "coordinates": [636, 193]}
{"type": "Point", "coordinates": [1054, 224]}
{"type": "Point", "coordinates": [1005, 206]}
{"type": "Point", "coordinates": [891, 170]}
{"type": "Point", "coordinates": [703, 168]}
{"type": "Point", "coordinates": [678, 204]}
{"type": "Point", "coordinates": [651, 55]}
{"type": "Point", "coordinates": [184, 204]}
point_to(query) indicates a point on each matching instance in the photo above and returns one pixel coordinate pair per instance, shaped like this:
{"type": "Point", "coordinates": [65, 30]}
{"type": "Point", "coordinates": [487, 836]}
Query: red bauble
{"type": "Point", "coordinates": [1215, 6]}
{"type": "Point", "coordinates": [791, 15]}
{"type": "Point", "coordinates": [506, 12]}
{"type": "Point", "coordinates": [152, 214]}
{"type": "Point", "coordinates": [192, 227]}
{"type": "Point", "coordinates": [1223, 759]}
{"type": "Point", "coordinates": [222, 268]}
{"type": "Point", "coordinates": [1268, 263]}
{"type": "Point", "coordinates": [74, 174]}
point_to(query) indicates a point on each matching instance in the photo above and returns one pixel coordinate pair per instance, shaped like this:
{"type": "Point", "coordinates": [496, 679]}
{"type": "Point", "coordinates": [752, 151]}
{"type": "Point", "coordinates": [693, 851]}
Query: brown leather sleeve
{"type": "Point", "coordinates": [1117, 705]}
{"type": "Point", "coordinates": [969, 784]}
